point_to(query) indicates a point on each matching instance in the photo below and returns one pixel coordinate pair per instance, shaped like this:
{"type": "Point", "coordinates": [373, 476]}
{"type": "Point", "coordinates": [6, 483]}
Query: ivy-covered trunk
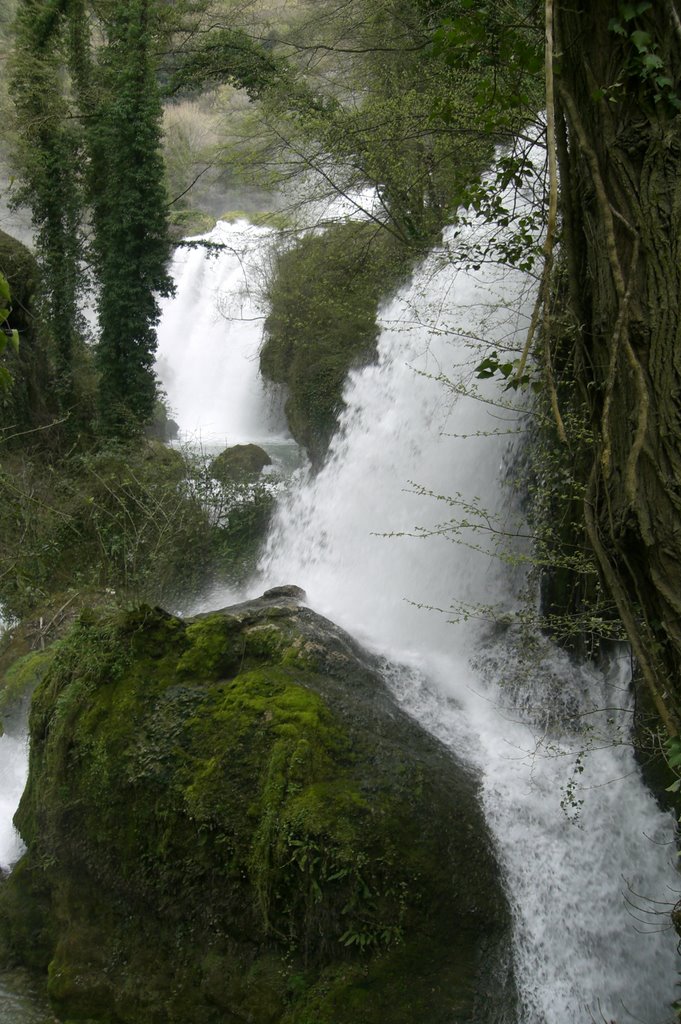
{"type": "Point", "coordinates": [129, 202]}
{"type": "Point", "coordinates": [619, 141]}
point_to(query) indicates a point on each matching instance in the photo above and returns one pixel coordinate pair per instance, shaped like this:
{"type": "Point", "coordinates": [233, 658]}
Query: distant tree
{"type": "Point", "coordinates": [49, 158]}
{"type": "Point", "coordinates": [129, 214]}
{"type": "Point", "coordinates": [85, 88]}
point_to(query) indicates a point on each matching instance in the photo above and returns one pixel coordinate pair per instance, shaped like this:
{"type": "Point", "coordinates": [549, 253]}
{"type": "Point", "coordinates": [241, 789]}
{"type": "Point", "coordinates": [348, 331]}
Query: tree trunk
{"type": "Point", "coordinates": [619, 132]}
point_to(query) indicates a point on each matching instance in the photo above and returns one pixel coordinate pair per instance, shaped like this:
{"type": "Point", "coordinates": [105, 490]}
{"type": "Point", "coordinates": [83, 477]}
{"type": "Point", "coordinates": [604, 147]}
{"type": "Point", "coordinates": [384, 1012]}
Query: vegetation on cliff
{"type": "Point", "coordinates": [143, 523]}
{"type": "Point", "coordinates": [323, 301]}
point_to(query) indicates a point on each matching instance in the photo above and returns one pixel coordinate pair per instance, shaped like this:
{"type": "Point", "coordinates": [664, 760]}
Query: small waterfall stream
{"type": "Point", "coordinates": [13, 772]}
{"type": "Point", "coordinates": [209, 337]}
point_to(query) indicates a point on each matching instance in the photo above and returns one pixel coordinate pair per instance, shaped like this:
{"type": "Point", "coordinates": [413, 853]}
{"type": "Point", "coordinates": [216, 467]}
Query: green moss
{"type": "Point", "coordinates": [324, 302]}
{"type": "Point", "coordinates": [186, 223]}
{"type": "Point", "coordinates": [22, 677]}
{"type": "Point", "coordinates": [28, 931]}
{"type": "Point", "coordinates": [215, 649]}
{"type": "Point", "coordinates": [266, 642]}
{"type": "Point", "coordinates": [261, 218]}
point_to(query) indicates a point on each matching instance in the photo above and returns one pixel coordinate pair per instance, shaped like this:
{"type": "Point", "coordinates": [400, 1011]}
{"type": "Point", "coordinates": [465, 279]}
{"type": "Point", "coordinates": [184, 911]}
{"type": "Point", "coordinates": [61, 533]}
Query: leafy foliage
{"type": "Point", "coordinates": [50, 161]}
{"type": "Point", "coordinates": [141, 522]}
{"type": "Point", "coordinates": [502, 45]}
{"type": "Point", "coordinates": [89, 114]}
{"type": "Point", "coordinates": [644, 62]}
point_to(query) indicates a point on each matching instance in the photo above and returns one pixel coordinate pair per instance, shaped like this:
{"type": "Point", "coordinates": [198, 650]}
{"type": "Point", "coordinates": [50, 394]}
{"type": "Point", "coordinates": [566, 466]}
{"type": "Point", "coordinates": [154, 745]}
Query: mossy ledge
{"type": "Point", "coordinates": [323, 321]}
{"type": "Point", "coordinates": [229, 819]}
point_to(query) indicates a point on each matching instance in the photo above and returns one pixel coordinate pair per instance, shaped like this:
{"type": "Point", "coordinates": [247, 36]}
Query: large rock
{"type": "Point", "coordinates": [241, 462]}
{"type": "Point", "coordinates": [229, 819]}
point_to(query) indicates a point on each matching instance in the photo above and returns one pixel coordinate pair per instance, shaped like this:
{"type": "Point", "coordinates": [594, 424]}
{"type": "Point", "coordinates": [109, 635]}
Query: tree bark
{"type": "Point", "coordinates": [620, 163]}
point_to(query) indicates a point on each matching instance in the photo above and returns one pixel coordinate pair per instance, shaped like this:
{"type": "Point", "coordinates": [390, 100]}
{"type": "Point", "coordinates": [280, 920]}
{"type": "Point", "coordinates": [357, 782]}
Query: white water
{"type": "Point", "coordinates": [585, 881]}
{"type": "Point", "coordinates": [13, 773]}
{"type": "Point", "coordinates": [209, 338]}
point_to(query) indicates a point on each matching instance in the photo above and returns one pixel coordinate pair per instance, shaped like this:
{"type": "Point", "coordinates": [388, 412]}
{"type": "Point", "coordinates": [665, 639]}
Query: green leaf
{"type": "Point", "coordinates": [675, 786]}
{"type": "Point", "coordinates": [628, 11]}
{"type": "Point", "coordinates": [14, 339]}
{"type": "Point", "coordinates": [641, 40]}
{"type": "Point", "coordinates": [651, 60]}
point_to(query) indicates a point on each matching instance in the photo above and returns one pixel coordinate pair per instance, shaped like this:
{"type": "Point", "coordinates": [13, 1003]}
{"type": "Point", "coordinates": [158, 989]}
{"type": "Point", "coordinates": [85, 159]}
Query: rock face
{"type": "Point", "coordinates": [239, 463]}
{"type": "Point", "coordinates": [229, 819]}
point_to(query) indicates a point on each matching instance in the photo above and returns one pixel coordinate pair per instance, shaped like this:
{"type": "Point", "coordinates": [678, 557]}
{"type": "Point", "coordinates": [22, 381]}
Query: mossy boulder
{"type": "Point", "coordinates": [324, 298]}
{"type": "Point", "coordinates": [229, 819]}
{"type": "Point", "coordinates": [239, 463]}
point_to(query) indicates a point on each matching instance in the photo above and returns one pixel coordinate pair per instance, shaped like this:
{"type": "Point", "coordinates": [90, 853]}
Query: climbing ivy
{"type": "Point", "coordinates": [644, 61]}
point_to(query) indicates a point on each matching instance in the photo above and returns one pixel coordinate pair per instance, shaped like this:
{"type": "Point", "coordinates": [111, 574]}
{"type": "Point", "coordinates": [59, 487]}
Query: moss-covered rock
{"type": "Point", "coordinates": [29, 403]}
{"type": "Point", "coordinates": [239, 463]}
{"type": "Point", "coordinates": [324, 300]}
{"type": "Point", "coordinates": [189, 222]}
{"type": "Point", "coordinates": [27, 650]}
{"type": "Point", "coordinates": [228, 819]}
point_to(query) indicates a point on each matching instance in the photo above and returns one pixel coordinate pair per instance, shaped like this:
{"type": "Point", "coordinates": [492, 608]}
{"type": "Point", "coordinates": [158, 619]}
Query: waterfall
{"type": "Point", "coordinates": [209, 338]}
{"type": "Point", "coordinates": [412, 513]}
{"type": "Point", "coordinates": [13, 773]}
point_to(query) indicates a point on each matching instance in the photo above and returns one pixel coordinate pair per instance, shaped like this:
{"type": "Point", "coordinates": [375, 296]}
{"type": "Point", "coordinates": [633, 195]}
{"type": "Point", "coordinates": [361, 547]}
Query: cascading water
{"type": "Point", "coordinates": [209, 337]}
{"type": "Point", "coordinates": [19, 1004]}
{"type": "Point", "coordinates": [13, 772]}
{"type": "Point", "coordinates": [587, 855]}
